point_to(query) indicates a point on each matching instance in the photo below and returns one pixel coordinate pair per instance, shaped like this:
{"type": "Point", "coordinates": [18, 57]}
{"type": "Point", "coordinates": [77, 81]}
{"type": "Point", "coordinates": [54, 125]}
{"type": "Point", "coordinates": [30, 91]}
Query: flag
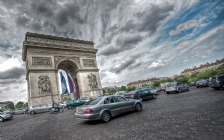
{"type": "Point", "coordinates": [72, 86]}
{"type": "Point", "coordinates": [63, 84]}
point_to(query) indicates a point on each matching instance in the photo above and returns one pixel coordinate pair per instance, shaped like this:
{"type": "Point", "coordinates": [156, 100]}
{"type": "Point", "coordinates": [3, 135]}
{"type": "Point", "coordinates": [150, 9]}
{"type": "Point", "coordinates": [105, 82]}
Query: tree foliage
{"type": "Point", "coordinates": [194, 77]}
{"type": "Point", "coordinates": [10, 105]}
{"type": "Point", "coordinates": [20, 104]}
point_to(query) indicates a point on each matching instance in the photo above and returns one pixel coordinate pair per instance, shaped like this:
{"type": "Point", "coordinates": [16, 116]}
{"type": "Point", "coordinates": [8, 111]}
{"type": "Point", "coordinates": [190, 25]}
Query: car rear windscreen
{"type": "Point", "coordinates": [93, 101]}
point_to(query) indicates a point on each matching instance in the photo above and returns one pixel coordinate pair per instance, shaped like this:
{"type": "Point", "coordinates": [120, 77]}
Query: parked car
{"type": "Point", "coordinates": [217, 82]}
{"type": "Point", "coordinates": [202, 83]}
{"type": "Point", "coordinates": [85, 99]}
{"type": "Point", "coordinates": [26, 110]}
{"type": "Point", "coordinates": [192, 84]}
{"type": "Point", "coordinates": [154, 90]}
{"type": "Point", "coordinates": [39, 108]}
{"type": "Point", "coordinates": [5, 116]}
{"type": "Point", "coordinates": [62, 104]}
{"type": "Point", "coordinates": [141, 94]}
{"type": "Point", "coordinates": [105, 107]}
{"type": "Point", "coordinates": [121, 92]}
{"type": "Point", "coordinates": [74, 103]}
{"type": "Point", "coordinates": [19, 111]}
{"type": "Point", "coordinates": [11, 111]}
{"type": "Point", "coordinates": [176, 87]}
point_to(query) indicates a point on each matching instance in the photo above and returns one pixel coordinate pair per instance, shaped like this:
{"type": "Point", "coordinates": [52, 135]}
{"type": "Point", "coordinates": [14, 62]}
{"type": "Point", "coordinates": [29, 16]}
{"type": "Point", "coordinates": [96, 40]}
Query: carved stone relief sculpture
{"type": "Point", "coordinates": [88, 63]}
{"type": "Point", "coordinates": [44, 84]}
{"type": "Point", "coordinates": [41, 61]}
{"type": "Point", "coordinates": [92, 81]}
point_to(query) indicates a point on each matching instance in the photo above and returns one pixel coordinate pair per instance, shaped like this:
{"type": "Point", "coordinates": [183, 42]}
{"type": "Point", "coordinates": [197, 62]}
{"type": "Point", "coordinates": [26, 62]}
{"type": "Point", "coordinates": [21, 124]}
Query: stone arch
{"type": "Point", "coordinates": [45, 54]}
{"type": "Point", "coordinates": [72, 68]}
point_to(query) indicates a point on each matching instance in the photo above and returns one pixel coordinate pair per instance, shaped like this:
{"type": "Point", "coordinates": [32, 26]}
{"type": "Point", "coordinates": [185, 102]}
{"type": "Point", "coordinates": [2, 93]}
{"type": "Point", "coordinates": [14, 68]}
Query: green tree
{"type": "Point", "coordinates": [123, 88]}
{"type": "Point", "coordinates": [10, 105]}
{"type": "Point", "coordinates": [156, 83]}
{"type": "Point", "coordinates": [20, 104]}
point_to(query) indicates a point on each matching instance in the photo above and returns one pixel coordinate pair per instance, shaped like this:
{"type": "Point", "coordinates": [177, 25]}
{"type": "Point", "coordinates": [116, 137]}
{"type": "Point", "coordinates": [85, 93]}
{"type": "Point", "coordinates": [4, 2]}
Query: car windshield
{"type": "Point", "coordinates": [131, 92]}
{"type": "Point", "coordinates": [93, 101]}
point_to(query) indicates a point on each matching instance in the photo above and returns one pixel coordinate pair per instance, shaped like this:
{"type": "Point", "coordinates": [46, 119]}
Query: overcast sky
{"type": "Point", "coordinates": [136, 39]}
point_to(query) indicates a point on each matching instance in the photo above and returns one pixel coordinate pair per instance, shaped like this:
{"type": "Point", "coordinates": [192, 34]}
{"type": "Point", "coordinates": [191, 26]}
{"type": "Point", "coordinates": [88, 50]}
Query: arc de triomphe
{"type": "Point", "coordinates": [44, 55]}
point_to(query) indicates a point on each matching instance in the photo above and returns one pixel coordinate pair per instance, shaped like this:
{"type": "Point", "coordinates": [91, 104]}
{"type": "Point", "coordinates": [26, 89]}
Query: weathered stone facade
{"type": "Point", "coordinates": [45, 54]}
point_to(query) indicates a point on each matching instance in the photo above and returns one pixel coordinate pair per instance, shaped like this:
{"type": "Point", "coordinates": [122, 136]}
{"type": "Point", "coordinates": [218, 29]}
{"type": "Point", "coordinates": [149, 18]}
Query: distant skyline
{"type": "Point", "coordinates": [136, 39]}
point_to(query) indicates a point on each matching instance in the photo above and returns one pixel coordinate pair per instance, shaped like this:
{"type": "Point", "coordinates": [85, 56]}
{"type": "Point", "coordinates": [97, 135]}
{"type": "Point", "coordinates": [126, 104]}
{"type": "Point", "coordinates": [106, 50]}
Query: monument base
{"type": "Point", "coordinates": [93, 93]}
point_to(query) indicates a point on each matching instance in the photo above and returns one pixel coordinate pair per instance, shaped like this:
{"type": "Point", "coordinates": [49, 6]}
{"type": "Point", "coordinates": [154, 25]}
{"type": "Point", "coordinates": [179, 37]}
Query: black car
{"type": "Point", "coordinates": [217, 82]}
{"type": "Point", "coordinates": [202, 83]}
{"type": "Point", "coordinates": [141, 94]}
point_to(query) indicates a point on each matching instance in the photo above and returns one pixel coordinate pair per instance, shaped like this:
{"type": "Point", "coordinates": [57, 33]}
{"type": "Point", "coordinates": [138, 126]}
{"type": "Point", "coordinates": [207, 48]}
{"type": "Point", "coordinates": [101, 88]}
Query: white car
{"type": "Point", "coordinates": [62, 104]}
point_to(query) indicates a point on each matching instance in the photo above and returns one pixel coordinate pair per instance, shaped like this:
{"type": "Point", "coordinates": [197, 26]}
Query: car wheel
{"type": "Point", "coordinates": [154, 96]}
{"type": "Point", "coordinates": [187, 89]}
{"type": "Point", "coordinates": [178, 90]}
{"type": "Point", "coordinates": [32, 113]}
{"type": "Point", "coordinates": [105, 117]}
{"type": "Point", "coordinates": [167, 92]}
{"type": "Point", "coordinates": [1, 119]}
{"type": "Point", "coordinates": [138, 107]}
{"type": "Point", "coordinates": [141, 99]}
{"type": "Point", "coordinates": [69, 107]}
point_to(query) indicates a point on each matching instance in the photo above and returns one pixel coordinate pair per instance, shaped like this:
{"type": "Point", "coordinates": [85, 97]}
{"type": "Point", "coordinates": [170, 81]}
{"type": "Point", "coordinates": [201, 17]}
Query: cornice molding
{"type": "Point", "coordinates": [57, 38]}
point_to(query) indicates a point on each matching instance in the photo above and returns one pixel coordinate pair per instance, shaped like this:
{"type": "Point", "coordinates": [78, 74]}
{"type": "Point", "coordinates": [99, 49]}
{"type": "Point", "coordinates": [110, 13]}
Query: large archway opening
{"type": "Point", "coordinates": [66, 68]}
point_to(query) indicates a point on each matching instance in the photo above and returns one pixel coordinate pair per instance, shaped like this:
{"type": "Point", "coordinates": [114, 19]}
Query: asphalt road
{"type": "Point", "coordinates": [196, 114]}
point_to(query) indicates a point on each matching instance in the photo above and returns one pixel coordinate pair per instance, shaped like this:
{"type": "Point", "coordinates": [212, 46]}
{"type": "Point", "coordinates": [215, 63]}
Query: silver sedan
{"type": "Point", "coordinates": [106, 107]}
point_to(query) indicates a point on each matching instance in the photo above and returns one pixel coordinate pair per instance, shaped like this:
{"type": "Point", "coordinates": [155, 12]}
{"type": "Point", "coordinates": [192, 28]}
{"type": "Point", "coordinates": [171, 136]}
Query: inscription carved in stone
{"type": "Point", "coordinates": [88, 63]}
{"type": "Point", "coordinates": [92, 81]}
{"type": "Point", "coordinates": [42, 61]}
{"type": "Point", "coordinates": [44, 84]}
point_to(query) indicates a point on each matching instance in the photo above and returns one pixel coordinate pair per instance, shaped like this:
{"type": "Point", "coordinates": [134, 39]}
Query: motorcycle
{"type": "Point", "coordinates": [55, 108]}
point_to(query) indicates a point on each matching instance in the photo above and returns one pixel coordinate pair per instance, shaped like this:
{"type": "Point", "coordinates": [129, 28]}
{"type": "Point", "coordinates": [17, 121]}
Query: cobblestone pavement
{"type": "Point", "coordinates": [197, 114]}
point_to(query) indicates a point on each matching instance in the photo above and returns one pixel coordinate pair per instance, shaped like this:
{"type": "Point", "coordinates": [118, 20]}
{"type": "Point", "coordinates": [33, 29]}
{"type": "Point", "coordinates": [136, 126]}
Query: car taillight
{"type": "Point", "coordinates": [88, 111]}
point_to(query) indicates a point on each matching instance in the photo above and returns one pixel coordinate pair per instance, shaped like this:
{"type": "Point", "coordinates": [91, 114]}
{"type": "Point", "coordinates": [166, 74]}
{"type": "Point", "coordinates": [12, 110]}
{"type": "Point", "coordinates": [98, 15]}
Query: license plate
{"type": "Point", "coordinates": [79, 111]}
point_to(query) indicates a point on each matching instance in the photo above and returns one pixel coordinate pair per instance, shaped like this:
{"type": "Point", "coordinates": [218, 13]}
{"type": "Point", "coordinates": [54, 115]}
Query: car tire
{"type": "Point", "coordinates": [32, 113]}
{"type": "Point", "coordinates": [1, 119]}
{"type": "Point", "coordinates": [167, 92]}
{"type": "Point", "coordinates": [106, 116]}
{"type": "Point", "coordinates": [69, 107]}
{"type": "Point", "coordinates": [138, 107]}
{"type": "Point", "coordinates": [154, 96]}
{"type": "Point", "coordinates": [178, 90]}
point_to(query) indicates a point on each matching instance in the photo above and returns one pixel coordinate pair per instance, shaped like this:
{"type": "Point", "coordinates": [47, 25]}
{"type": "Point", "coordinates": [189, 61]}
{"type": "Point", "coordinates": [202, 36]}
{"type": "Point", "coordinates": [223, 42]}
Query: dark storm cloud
{"type": "Point", "coordinates": [42, 8]}
{"type": "Point", "coordinates": [129, 41]}
{"type": "Point", "coordinates": [129, 25]}
{"type": "Point", "coordinates": [110, 51]}
{"type": "Point", "coordinates": [68, 11]}
{"type": "Point", "coordinates": [22, 21]}
{"type": "Point", "coordinates": [129, 64]}
{"type": "Point", "coordinates": [36, 26]}
{"type": "Point", "coordinates": [12, 3]}
{"type": "Point", "coordinates": [123, 44]}
{"type": "Point", "coordinates": [151, 20]}
{"type": "Point", "coordinates": [13, 73]}
{"type": "Point", "coordinates": [122, 66]}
